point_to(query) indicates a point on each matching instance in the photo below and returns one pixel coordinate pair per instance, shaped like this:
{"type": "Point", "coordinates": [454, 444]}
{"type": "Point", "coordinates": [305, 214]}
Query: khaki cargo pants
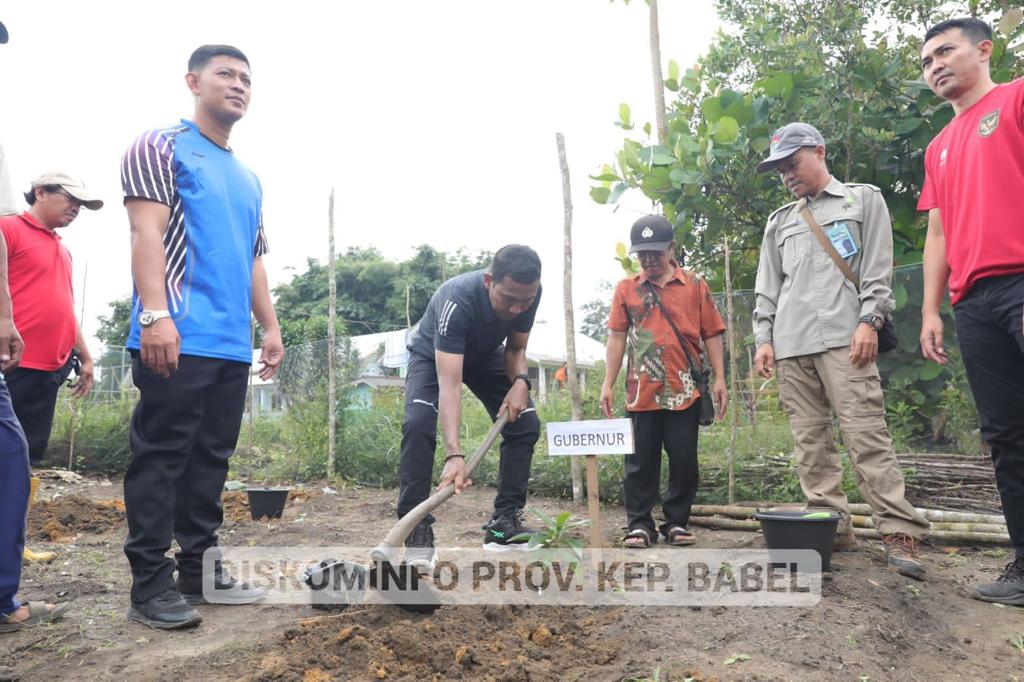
{"type": "Point", "coordinates": [810, 386]}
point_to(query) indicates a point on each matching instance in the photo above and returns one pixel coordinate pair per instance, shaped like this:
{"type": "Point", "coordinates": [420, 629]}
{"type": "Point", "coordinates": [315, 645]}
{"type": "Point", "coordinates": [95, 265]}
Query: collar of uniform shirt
{"type": "Point", "coordinates": [676, 274]}
{"type": "Point", "coordinates": [834, 187]}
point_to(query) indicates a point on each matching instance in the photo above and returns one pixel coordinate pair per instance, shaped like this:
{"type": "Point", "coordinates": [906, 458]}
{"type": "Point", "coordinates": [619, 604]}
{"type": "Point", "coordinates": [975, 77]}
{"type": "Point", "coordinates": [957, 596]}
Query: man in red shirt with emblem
{"type": "Point", "coordinates": [974, 177]}
{"type": "Point", "coordinates": [661, 395]}
{"type": "Point", "coordinates": [40, 275]}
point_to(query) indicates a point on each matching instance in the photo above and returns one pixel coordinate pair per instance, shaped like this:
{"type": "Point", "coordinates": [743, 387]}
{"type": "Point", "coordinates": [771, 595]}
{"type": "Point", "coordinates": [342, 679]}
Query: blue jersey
{"type": "Point", "coordinates": [213, 234]}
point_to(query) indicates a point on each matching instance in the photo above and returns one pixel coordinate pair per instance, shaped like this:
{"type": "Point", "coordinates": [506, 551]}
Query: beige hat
{"type": "Point", "coordinates": [75, 188]}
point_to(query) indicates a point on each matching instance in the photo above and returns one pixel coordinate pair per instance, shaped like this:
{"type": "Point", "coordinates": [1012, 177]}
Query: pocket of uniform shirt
{"type": "Point", "coordinates": [792, 241]}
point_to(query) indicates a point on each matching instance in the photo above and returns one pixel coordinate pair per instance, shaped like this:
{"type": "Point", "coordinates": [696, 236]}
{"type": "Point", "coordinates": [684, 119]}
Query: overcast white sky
{"type": "Point", "coordinates": [435, 121]}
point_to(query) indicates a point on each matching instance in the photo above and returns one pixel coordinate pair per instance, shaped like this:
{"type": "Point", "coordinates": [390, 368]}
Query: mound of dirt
{"type": "Point", "coordinates": [384, 642]}
{"type": "Point", "coordinates": [61, 519]}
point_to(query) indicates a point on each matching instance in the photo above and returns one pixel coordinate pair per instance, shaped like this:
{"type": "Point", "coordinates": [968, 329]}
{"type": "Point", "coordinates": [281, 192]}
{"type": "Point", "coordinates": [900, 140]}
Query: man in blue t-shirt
{"type": "Point", "coordinates": [197, 248]}
{"type": "Point", "coordinates": [474, 332]}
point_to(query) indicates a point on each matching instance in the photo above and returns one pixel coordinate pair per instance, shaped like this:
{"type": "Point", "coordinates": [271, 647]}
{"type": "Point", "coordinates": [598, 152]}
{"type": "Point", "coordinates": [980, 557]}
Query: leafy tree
{"type": "Point", "coordinates": [114, 328]}
{"type": "Point", "coordinates": [595, 313]}
{"type": "Point", "coordinates": [371, 289]}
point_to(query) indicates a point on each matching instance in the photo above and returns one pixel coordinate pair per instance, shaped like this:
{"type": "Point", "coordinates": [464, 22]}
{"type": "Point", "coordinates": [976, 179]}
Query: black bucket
{"type": "Point", "coordinates": [801, 530]}
{"type": "Point", "coordinates": [267, 502]}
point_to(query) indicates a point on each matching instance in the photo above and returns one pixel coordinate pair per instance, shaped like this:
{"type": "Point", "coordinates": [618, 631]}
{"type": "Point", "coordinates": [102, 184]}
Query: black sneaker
{"type": "Point", "coordinates": [419, 546]}
{"type": "Point", "coordinates": [226, 590]}
{"type": "Point", "coordinates": [166, 611]}
{"type": "Point", "coordinates": [504, 527]}
{"type": "Point", "coordinates": [1008, 588]}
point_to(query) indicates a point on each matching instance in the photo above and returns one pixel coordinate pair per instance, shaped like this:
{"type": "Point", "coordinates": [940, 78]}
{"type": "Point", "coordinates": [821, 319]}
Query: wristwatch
{"type": "Point", "coordinates": [148, 317]}
{"type": "Point", "coordinates": [875, 320]}
{"type": "Point", "coordinates": [526, 380]}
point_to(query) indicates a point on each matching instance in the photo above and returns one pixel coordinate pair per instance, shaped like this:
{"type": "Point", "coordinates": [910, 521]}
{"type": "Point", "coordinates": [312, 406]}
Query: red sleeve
{"type": "Point", "coordinates": [928, 199]}
{"type": "Point", "coordinates": [10, 235]}
{"type": "Point", "coordinates": [618, 321]}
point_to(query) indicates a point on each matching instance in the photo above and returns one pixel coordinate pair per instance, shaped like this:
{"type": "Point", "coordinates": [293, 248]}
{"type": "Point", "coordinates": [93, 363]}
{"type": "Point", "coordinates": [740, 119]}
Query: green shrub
{"type": "Point", "coordinates": [100, 435]}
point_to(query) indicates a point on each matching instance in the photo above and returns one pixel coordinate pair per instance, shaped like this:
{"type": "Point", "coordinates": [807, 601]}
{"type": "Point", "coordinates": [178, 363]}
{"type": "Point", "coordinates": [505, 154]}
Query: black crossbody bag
{"type": "Point", "coordinates": [701, 376]}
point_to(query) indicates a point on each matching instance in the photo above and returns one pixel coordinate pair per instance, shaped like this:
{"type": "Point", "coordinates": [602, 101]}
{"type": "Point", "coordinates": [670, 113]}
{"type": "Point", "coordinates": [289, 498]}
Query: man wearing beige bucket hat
{"type": "Point", "coordinates": [40, 276]}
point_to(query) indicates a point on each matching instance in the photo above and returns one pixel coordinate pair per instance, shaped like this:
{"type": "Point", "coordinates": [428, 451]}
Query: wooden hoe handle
{"type": "Point", "coordinates": [396, 536]}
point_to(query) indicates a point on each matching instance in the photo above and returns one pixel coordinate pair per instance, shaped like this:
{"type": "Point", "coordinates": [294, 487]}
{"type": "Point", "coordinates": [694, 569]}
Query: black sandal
{"type": "Point", "coordinates": [646, 536]}
{"type": "Point", "coordinates": [678, 536]}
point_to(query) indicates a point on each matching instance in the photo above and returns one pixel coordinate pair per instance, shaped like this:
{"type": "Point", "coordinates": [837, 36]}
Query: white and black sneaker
{"type": "Point", "coordinates": [505, 531]}
{"type": "Point", "coordinates": [419, 547]}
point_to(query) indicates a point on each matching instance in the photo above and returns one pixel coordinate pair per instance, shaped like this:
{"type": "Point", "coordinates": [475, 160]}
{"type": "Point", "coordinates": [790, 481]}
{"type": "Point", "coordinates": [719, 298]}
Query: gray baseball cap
{"type": "Point", "coordinates": [787, 140]}
{"type": "Point", "coordinates": [3, 33]}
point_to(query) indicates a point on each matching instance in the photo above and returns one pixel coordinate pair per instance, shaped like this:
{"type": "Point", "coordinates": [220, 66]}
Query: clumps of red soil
{"type": "Point", "coordinates": [59, 520]}
{"type": "Point", "coordinates": [497, 643]}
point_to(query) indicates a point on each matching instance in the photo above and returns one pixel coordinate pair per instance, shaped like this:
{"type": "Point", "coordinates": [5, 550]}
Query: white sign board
{"type": "Point", "coordinates": [595, 437]}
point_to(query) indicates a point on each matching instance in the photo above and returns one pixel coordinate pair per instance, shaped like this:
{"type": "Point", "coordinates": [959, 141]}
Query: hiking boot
{"type": "Point", "coordinates": [226, 590]}
{"type": "Point", "coordinates": [419, 546]}
{"type": "Point", "coordinates": [1008, 588]}
{"type": "Point", "coordinates": [901, 551]}
{"type": "Point", "coordinates": [166, 611]}
{"type": "Point", "coordinates": [845, 542]}
{"type": "Point", "coordinates": [504, 527]}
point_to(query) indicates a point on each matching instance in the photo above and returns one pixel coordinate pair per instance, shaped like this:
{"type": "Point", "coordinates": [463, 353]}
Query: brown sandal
{"type": "Point", "coordinates": [641, 539]}
{"type": "Point", "coordinates": [678, 536]}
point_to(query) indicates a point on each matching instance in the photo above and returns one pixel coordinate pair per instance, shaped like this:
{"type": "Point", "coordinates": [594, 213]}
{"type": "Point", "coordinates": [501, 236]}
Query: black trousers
{"type": "Point", "coordinates": [34, 394]}
{"type": "Point", "coordinates": [676, 432]}
{"type": "Point", "coordinates": [183, 431]}
{"type": "Point", "coordinates": [488, 382]}
{"type": "Point", "coordinates": [990, 330]}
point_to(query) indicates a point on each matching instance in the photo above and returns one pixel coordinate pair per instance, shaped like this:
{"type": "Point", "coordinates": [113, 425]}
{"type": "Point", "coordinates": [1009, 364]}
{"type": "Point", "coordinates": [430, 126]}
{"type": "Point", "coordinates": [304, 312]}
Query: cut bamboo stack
{"type": "Point", "coordinates": [949, 527]}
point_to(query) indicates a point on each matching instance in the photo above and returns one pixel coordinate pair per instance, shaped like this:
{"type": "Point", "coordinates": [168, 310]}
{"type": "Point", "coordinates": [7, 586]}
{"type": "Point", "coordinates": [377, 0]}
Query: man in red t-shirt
{"type": "Point", "coordinates": [40, 275]}
{"type": "Point", "coordinates": [974, 177]}
{"type": "Point", "coordinates": [661, 395]}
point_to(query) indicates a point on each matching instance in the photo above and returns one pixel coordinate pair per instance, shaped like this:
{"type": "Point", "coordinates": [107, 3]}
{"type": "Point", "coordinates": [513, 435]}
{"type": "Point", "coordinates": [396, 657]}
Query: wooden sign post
{"type": "Point", "coordinates": [590, 439]}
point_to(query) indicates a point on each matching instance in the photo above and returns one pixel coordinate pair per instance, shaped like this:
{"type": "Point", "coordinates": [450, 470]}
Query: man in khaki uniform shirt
{"type": "Point", "coordinates": [811, 325]}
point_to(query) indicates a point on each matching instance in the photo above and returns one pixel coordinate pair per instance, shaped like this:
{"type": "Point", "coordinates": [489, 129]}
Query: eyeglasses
{"type": "Point", "coordinates": [67, 195]}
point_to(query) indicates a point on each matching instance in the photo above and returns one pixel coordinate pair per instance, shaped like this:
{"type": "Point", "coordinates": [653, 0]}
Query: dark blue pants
{"type": "Point", "coordinates": [487, 380]}
{"type": "Point", "coordinates": [15, 482]}
{"type": "Point", "coordinates": [990, 330]}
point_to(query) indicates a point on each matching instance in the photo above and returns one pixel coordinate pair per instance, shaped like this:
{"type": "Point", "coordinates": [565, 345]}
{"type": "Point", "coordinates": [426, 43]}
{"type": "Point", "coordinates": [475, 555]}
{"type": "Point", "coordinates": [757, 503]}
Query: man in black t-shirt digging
{"type": "Point", "coordinates": [474, 331]}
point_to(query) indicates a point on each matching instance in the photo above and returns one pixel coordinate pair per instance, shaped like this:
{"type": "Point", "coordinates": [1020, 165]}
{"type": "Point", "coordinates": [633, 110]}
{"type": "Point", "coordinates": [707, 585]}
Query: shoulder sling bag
{"type": "Point", "coordinates": [700, 375]}
{"type": "Point", "coordinates": [887, 339]}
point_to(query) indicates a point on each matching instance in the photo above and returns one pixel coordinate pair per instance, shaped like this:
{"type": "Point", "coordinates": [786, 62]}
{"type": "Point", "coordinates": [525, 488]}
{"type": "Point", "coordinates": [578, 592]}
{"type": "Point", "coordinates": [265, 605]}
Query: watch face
{"type": "Point", "coordinates": [146, 318]}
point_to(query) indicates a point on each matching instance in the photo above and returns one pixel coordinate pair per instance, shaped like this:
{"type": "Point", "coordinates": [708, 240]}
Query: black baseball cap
{"type": "Point", "coordinates": [651, 233]}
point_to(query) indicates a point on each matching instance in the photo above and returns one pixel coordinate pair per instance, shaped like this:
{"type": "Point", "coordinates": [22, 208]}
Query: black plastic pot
{"type": "Point", "coordinates": [268, 502]}
{"type": "Point", "coordinates": [792, 530]}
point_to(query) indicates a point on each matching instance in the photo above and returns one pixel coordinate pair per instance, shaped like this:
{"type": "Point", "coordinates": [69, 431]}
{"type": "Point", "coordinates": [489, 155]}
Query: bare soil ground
{"type": "Point", "coordinates": [870, 625]}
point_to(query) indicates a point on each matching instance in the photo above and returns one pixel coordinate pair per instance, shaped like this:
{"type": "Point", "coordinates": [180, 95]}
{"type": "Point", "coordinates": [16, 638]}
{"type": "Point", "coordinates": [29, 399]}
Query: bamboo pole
{"type": "Point", "coordinates": [659, 84]}
{"type": "Point", "coordinates": [734, 428]}
{"type": "Point", "coordinates": [941, 515]}
{"type": "Point", "coordinates": [252, 404]}
{"type": "Point", "coordinates": [950, 536]}
{"type": "Point", "coordinates": [934, 515]}
{"type": "Point", "coordinates": [332, 352]}
{"type": "Point", "coordinates": [867, 522]}
{"type": "Point", "coordinates": [570, 325]}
